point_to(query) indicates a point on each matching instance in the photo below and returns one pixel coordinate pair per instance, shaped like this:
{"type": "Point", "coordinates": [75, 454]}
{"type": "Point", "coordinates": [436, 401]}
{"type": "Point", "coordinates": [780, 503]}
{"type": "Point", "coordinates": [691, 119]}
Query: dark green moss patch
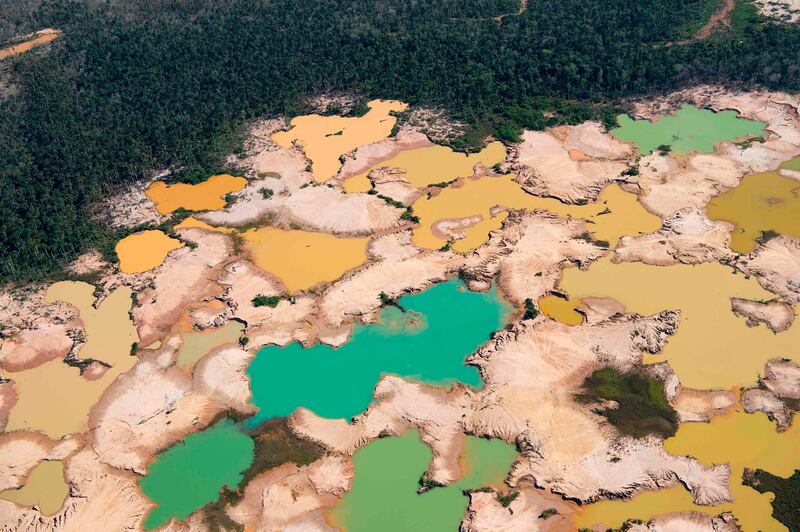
{"type": "Point", "coordinates": [786, 506]}
{"type": "Point", "coordinates": [427, 483]}
{"type": "Point", "coordinates": [547, 514]}
{"type": "Point", "coordinates": [643, 406]}
{"type": "Point", "coordinates": [266, 301]}
{"type": "Point", "coordinates": [508, 498]}
{"type": "Point", "coordinates": [276, 445]}
{"type": "Point", "coordinates": [530, 310]}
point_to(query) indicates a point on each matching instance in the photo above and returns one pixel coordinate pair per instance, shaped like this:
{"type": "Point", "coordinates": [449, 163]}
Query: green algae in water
{"type": "Point", "coordinates": [190, 474]}
{"type": "Point", "coordinates": [689, 129]}
{"type": "Point", "coordinates": [428, 342]}
{"type": "Point", "coordinates": [387, 473]}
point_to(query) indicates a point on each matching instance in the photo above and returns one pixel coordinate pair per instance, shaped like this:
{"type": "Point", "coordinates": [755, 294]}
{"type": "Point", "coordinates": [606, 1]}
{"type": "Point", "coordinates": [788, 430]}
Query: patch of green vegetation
{"type": "Point", "coordinates": [261, 300]}
{"type": "Point", "coordinates": [643, 406]}
{"type": "Point", "coordinates": [787, 494]}
{"type": "Point", "coordinates": [360, 108]}
{"type": "Point", "coordinates": [389, 301]}
{"type": "Point", "coordinates": [409, 216]}
{"type": "Point", "coordinates": [216, 516]}
{"type": "Point", "coordinates": [276, 444]}
{"type": "Point", "coordinates": [702, 12]}
{"type": "Point", "coordinates": [506, 499]}
{"type": "Point", "coordinates": [391, 201]}
{"type": "Point", "coordinates": [547, 514]}
{"type": "Point", "coordinates": [530, 310]}
{"type": "Point", "coordinates": [427, 483]}
{"type": "Point", "coordinates": [631, 171]}
{"type": "Point", "coordinates": [266, 193]}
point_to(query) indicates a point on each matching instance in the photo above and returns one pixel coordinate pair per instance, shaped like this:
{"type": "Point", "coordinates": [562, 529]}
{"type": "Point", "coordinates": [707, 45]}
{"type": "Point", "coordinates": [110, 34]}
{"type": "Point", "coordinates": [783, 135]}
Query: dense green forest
{"type": "Point", "coordinates": [145, 84]}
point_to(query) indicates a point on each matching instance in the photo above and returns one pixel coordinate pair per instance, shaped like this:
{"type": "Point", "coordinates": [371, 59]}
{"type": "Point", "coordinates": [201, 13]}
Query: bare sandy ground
{"type": "Point", "coordinates": [787, 11]}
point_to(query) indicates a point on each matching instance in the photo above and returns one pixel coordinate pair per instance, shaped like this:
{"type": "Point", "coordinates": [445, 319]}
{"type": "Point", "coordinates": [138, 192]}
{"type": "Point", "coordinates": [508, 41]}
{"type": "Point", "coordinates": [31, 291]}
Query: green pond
{"type": "Point", "coordinates": [689, 129]}
{"type": "Point", "coordinates": [792, 164]}
{"type": "Point", "coordinates": [387, 472]}
{"type": "Point", "coordinates": [191, 474]}
{"type": "Point", "coordinates": [427, 342]}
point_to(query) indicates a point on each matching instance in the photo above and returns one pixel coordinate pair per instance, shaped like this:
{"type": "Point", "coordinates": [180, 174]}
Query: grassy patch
{"type": "Point", "coordinates": [786, 490]}
{"type": "Point", "coordinates": [643, 406]}
{"type": "Point", "coordinates": [530, 310]}
{"type": "Point", "coordinates": [508, 498]}
{"type": "Point", "coordinates": [276, 445]}
{"type": "Point", "coordinates": [266, 301]}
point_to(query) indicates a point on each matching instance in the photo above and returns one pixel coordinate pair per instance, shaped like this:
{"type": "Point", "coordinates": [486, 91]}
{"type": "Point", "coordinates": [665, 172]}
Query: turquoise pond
{"type": "Point", "coordinates": [191, 473]}
{"type": "Point", "coordinates": [427, 342]}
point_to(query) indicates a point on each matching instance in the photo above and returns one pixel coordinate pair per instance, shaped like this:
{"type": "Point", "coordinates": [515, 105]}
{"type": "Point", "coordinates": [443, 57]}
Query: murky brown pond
{"type": "Point", "coordinates": [761, 202]}
{"type": "Point", "coordinates": [53, 397]}
{"type": "Point", "coordinates": [45, 488]}
{"type": "Point", "coordinates": [197, 344]}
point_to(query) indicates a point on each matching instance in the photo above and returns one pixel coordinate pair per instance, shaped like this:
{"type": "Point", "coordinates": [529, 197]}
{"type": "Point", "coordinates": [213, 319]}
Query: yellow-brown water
{"type": "Point", "coordinates": [326, 138]}
{"type": "Point", "coordinates": [208, 195]}
{"type": "Point", "coordinates": [39, 38]}
{"type": "Point", "coordinates": [45, 488]}
{"type": "Point", "coordinates": [144, 251]}
{"type": "Point", "coordinates": [432, 164]}
{"type": "Point", "coordinates": [561, 309]}
{"type": "Point", "coordinates": [302, 259]}
{"type": "Point", "coordinates": [761, 202]}
{"type": "Point", "coordinates": [53, 397]}
{"type": "Point", "coordinates": [615, 213]}
{"type": "Point", "coordinates": [712, 348]}
{"type": "Point", "coordinates": [197, 344]}
{"type": "Point", "coordinates": [739, 439]}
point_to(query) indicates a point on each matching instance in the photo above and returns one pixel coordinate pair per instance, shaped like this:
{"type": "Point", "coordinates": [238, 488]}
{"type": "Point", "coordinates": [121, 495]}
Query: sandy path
{"type": "Point", "coordinates": [723, 17]}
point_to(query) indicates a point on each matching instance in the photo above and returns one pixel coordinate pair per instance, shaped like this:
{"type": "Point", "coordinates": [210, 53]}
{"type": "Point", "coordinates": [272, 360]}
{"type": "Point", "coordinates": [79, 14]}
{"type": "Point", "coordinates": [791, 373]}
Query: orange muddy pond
{"type": "Point", "coordinates": [144, 251]}
{"type": "Point", "coordinates": [326, 138]}
{"type": "Point", "coordinates": [208, 195]}
{"type": "Point", "coordinates": [302, 259]}
{"type": "Point", "coordinates": [616, 213]}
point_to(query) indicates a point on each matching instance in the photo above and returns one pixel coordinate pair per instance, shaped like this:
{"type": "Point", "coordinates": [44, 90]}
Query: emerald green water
{"type": "Point", "coordinates": [190, 474]}
{"type": "Point", "coordinates": [387, 472]}
{"type": "Point", "coordinates": [689, 129]}
{"type": "Point", "coordinates": [442, 325]}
